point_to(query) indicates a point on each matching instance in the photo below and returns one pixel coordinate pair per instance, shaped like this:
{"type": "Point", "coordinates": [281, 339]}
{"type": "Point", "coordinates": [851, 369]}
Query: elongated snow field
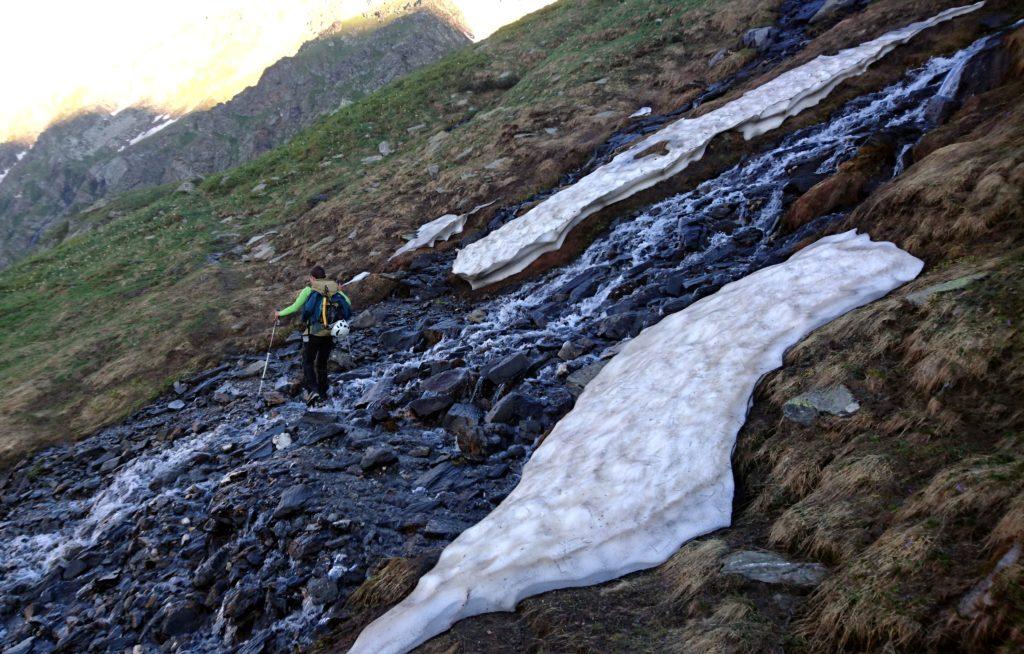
{"type": "Point", "coordinates": [642, 463]}
{"type": "Point", "coordinates": [511, 248]}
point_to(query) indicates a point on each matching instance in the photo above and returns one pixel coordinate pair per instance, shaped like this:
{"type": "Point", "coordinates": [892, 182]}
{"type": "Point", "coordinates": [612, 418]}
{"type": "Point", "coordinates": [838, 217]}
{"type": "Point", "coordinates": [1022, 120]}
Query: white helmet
{"type": "Point", "coordinates": [339, 329]}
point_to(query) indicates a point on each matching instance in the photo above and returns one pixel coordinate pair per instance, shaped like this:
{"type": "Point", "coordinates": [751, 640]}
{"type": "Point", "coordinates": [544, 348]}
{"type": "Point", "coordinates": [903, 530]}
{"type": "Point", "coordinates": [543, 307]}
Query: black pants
{"type": "Point", "coordinates": [316, 352]}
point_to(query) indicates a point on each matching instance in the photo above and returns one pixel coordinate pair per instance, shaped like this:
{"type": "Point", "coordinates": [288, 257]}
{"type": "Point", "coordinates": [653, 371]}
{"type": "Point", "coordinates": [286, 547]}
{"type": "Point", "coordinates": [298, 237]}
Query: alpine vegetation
{"type": "Point", "coordinates": [642, 463]}
{"type": "Point", "coordinates": [543, 229]}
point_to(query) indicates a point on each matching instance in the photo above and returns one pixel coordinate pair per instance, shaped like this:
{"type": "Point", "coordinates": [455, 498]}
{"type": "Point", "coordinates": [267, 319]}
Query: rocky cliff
{"type": "Point", "coordinates": [88, 157]}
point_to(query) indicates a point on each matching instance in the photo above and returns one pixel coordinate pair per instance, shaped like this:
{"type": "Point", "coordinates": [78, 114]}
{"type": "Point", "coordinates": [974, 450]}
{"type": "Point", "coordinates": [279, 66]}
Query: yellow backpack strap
{"type": "Point", "coordinates": [323, 307]}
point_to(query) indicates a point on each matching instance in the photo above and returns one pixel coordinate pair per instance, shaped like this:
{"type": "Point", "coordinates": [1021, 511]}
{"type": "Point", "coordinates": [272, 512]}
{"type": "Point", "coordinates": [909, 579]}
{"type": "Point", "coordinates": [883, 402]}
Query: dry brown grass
{"type": "Point", "coordinates": [690, 570]}
{"type": "Point", "coordinates": [734, 627]}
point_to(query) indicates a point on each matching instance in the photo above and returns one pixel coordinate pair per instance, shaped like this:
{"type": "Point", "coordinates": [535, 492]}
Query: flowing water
{"type": "Point", "coordinates": [103, 555]}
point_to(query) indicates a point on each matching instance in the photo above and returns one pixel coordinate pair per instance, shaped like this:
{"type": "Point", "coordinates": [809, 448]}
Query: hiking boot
{"type": "Point", "coordinates": [314, 399]}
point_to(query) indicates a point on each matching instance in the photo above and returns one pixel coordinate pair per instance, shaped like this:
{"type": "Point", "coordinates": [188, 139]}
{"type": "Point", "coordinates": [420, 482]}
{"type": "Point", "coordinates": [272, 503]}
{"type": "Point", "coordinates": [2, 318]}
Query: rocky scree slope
{"type": "Point", "coordinates": [882, 486]}
{"type": "Point", "coordinates": [84, 159]}
{"type": "Point", "coordinates": [544, 92]}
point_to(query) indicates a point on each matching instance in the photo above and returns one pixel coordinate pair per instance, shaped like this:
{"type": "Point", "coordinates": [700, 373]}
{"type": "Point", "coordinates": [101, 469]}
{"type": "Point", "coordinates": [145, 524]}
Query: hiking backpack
{"type": "Point", "coordinates": [320, 312]}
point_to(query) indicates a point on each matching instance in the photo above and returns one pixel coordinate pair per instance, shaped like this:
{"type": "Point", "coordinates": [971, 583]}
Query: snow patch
{"type": "Point", "coordinates": [18, 157]}
{"type": "Point", "coordinates": [439, 229]}
{"type": "Point", "coordinates": [358, 278]}
{"type": "Point", "coordinates": [511, 248]}
{"type": "Point", "coordinates": [642, 111]}
{"type": "Point", "coordinates": [151, 131]}
{"type": "Point", "coordinates": [642, 463]}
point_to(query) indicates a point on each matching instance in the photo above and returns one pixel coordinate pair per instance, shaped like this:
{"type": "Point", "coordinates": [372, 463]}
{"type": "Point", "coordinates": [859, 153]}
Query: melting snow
{"type": "Point", "coordinates": [511, 248]}
{"type": "Point", "coordinates": [642, 463]}
{"type": "Point", "coordinates": [439, 229]}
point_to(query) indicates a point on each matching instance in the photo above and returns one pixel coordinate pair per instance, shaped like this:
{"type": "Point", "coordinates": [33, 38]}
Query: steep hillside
{"type": "Point", "coordinates": [867, 496]}
{"type": "Point", "coordinates": [497, 121]}
{"type": "Point", "coordinates": [91, 156]}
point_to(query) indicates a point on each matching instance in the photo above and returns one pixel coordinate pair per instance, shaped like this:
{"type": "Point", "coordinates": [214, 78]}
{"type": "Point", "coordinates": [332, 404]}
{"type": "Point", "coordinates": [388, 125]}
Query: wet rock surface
{"type": "Point", "coordinates": [193, 529]}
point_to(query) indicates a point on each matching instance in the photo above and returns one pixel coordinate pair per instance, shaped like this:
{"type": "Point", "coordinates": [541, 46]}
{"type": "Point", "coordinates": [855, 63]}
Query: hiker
{"type": "Point", "coordinates": [322, 305]}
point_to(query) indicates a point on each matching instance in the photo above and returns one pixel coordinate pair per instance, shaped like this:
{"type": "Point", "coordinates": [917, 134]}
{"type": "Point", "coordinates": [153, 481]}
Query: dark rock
{"type": "Point", "coordinates": [293, 500]}
{"type": "Point", "coordinates": [365, 320]}
{"type": "Point", "coordinates": [74, 568]}
{"type": "Point", "coordinates": [578, 380]}
{"type": "Point", "coordinates": [376, 457]}
{"type": "Point", "coordinates": [620, 326]}
{"type": "Point", "coordinates": [176, 405]}
{"type": "Point", "coordinates": [472, 444]}
{"type": "Point", "coordinates": [462, 418]}
{"type": "Point", "coordinates": [181, 618]}
{"type": "Point", "coordinates": [401, 338]}
{"type": "Point", "coordinates": [23, 647]}
{"type": "Point", "coordinates": [444, 527]}
{"type": "Point", "coordinates": [574, 349]}
{"type": "Point", "coordinates": [322, 590]}
{"type": "Point", "coordinates": [380, 392]}
{"type": "Point", "coordinates": [428, 405]}
{"type": "Point", "coordinates": [760, 38]}
{"type": "Point", "coordinates": [513, 406]}
{"type": "Point", "coordinates": [507, 369]}
{"type": "Point", "coordinates": [450, 382]}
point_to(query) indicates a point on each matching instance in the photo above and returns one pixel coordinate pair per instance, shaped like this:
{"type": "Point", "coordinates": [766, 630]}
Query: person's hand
{"type": "Point", "coordinates": [277, 315]}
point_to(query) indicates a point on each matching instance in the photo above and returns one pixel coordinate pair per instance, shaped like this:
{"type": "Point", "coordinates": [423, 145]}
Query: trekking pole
{"type": "Point", "coordinates": [266, 363]}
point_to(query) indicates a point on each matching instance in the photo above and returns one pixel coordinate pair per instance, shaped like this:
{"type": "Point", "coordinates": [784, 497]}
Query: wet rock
{"type": "Point", "coordinates": [462, 418]}
{"type": "Point", "coordinates": [282, 441]}
{"type": "Point", "coordinates": [805, 408]}
{"type": "Point", "coordinates": [760, 38]}
{"type": "Point", "coordinates": [514, 406]}
{"type": "Point", "coordinates": [507, 369]}
{"type": "Point", "coordinates": [322, 590]}
{"type": "Point", "coordinates": [251, 370]}
{"type": "Point", "coordinates": [24, 647]}
{"type": "Point", "coordinates": [621, 325]}
{"type": "Point", "coordinates": [401, 338]}
{"type": "Point", "coordinates": [441, 527]}
{"type": "Point", "coordinates": [472, 444]}
{"type": "Point", "coordinates": [476, 316]}
{"type": "Point", "coordinates": [578, 380]}
{"type": "Point", "coordinates": [365, 320]}
{"type": "Point", "coordinates": [274, 398]}
{"type": "Point", "coordinates": [571, 350]}
{"type": "Point", "coordinates": [181, 618]}
{"type": "Point", "coordinates": [378, 393]}
{"type": "Point", "coordinates": [176, 405]}
{"type": "Point", "coordinates": [75, 568]}
{"type": "Point", "coordinates": [293, 500]}
{"type": "Point", "coordinates": [451, 383]}
{"type": "Point", "coordinates": [376, 457]}
{"type": "Point", "coordinates": [771, 568]}
{"type": "Point", "coordinates": [429, 405]}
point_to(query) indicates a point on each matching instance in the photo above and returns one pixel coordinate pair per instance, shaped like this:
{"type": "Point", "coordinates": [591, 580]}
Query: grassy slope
{"type": "Point", "coordinates": [95, 327]}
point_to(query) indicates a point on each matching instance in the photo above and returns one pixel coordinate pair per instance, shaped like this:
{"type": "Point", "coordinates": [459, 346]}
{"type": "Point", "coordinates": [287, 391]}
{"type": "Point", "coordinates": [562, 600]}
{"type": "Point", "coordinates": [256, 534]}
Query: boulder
{"type": "Point", "coordinates": [370, 289]}
{"type": "Point", "coordinates": [514, 406]}
{"type": "Point", "coordinates": [176, 405]}
{"type": "Point", "coordinates": [920, 298]}
{"type": "Point", "coordinates": [805, 408]}
{"type": "Point", "coordinates": [507, 369]}
{"type": "Point", "coordinates": [181, 618]}
{"type": "Point", "coordinates": [462, 418]}
{"type": "Point", "coordinates": [322, 590]}
{"type": "Point", "coordinates": [429, 404]}
{"type": "Point", "coordinates": [401, 338]}
{"type": "Point", "coordinates": [449, 382]}
{"type": "Point", "coordinates": [364, 320]}
{"type": "Point", "coordinates": [578, 380]}
{"type": "Point", "coordinates": [293, 500]}
{"type": "Point", "coordinates": [621, 325]}
{"type": "Point", "coordinates": [770, 568]}
{"type": "Point", "coordinates": [831, 9]}
{"type": "Point", "coordinates": [377, 456]}
{"type": "Point", "coordinates": [476, 316]}
{"type": "Point", "coordinates": [759, 38]}
{"type": "Point", "coordinates": [472, 444]}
